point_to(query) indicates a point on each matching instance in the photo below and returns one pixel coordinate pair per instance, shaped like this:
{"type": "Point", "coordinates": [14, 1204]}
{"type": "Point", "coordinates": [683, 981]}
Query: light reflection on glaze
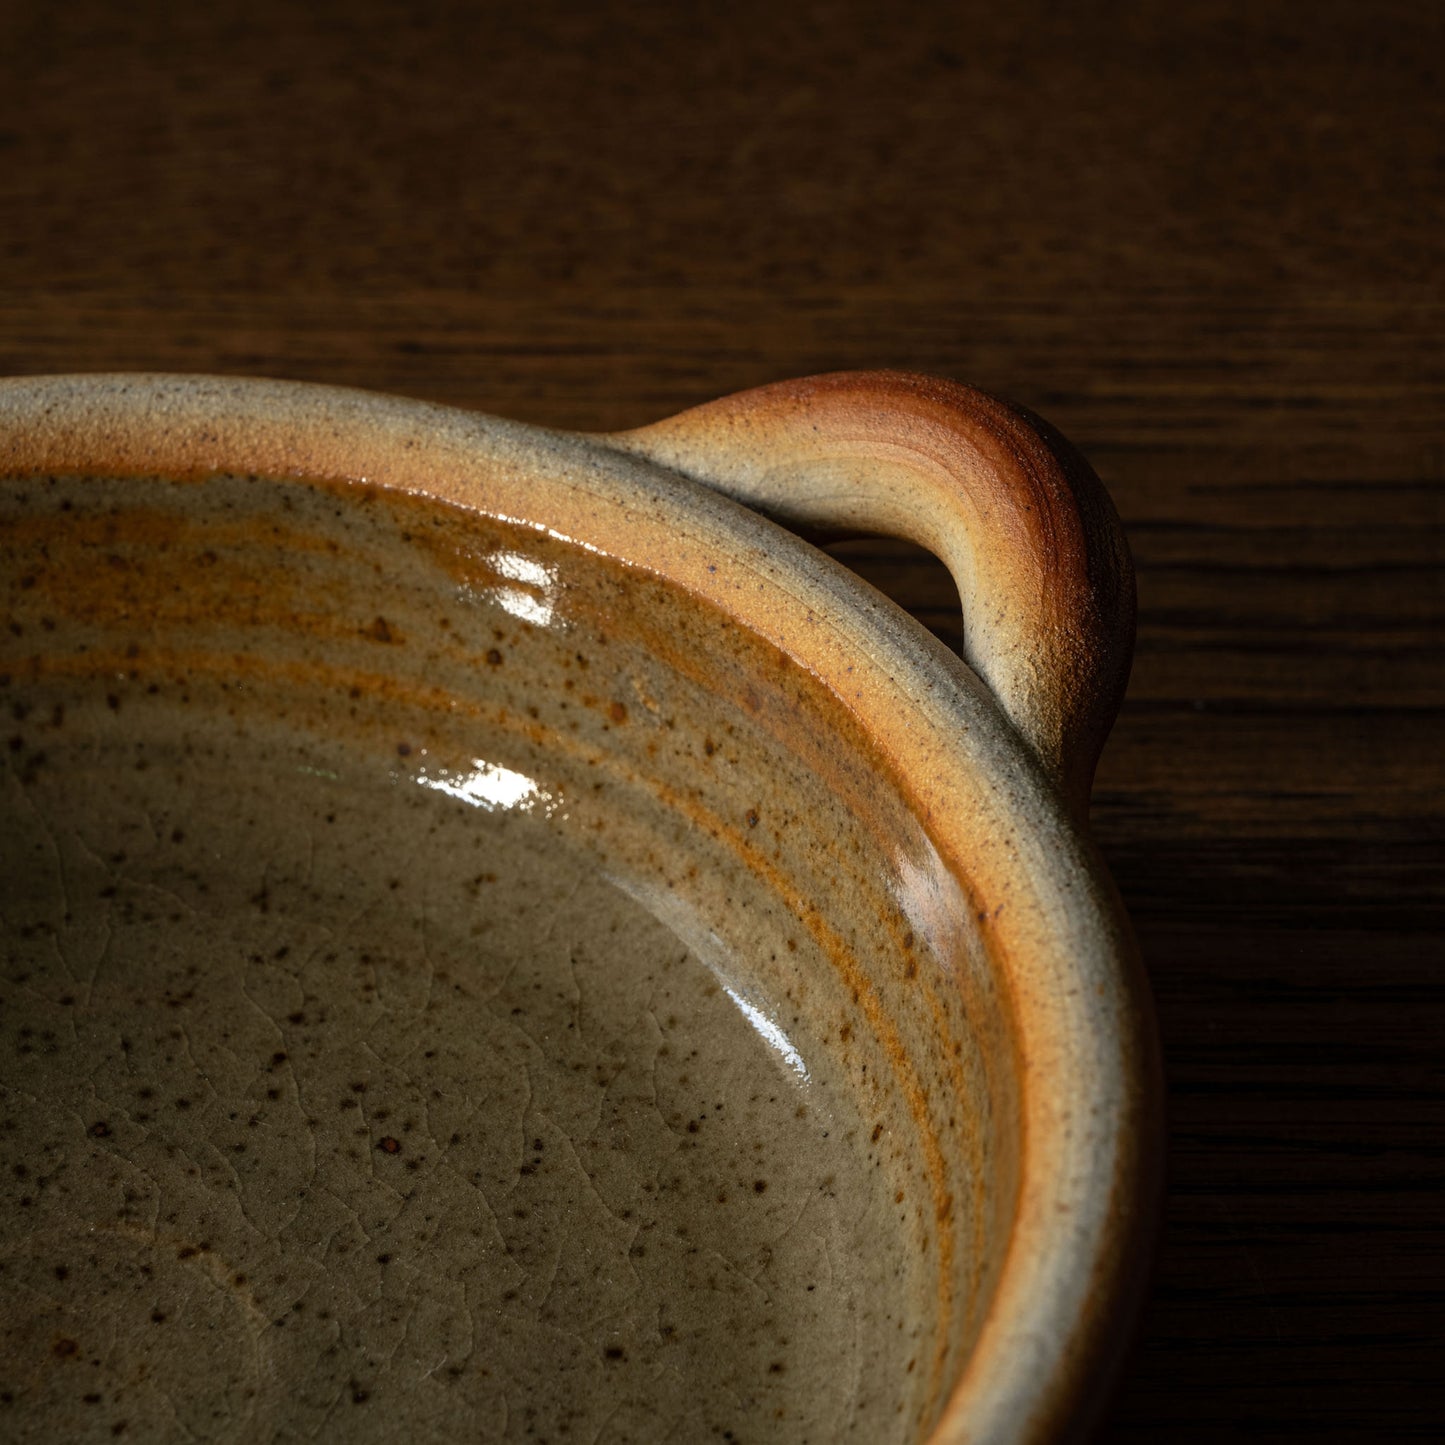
{"type": "Point", "coordinates": [534, 597]}
{"type": "Point", "coordinates": [769, 1031]}
{"type": "Point", "coordinates": [490, 786]}
{"type": "Point", "coordinates": [710, 950]}
{"type": "Point", "coordinates": [930, 899]}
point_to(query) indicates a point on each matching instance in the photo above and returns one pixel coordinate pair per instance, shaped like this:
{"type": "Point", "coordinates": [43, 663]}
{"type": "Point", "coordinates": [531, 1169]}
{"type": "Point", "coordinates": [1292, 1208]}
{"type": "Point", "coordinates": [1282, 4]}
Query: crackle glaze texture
{"type": "Point", "coordinates": [501, 942]}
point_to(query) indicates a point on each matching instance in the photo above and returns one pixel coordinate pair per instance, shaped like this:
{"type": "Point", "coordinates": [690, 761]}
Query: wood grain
{"type": "Point", "coordinates": [1204, 240]}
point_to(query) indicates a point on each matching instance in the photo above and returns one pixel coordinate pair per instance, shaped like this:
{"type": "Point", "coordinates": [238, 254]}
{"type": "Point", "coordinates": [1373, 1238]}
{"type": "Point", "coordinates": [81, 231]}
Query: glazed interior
{"type": "Point", "coordinates": [453, 978]}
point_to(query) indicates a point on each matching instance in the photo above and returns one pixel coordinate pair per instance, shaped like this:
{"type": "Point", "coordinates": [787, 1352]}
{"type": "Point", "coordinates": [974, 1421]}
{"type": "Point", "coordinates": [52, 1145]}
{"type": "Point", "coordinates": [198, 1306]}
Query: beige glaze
{"type": "Point", "coordinates": [661, 860]}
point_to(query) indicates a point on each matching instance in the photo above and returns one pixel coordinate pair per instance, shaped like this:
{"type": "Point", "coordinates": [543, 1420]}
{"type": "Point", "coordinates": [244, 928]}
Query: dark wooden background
{"type": "Point", "coordinates": [1204, 239]}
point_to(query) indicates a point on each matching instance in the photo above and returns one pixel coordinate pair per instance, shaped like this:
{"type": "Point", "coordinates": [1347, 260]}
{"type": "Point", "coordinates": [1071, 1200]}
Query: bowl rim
{"type": "Point", "coordinates": [1054, 1330]}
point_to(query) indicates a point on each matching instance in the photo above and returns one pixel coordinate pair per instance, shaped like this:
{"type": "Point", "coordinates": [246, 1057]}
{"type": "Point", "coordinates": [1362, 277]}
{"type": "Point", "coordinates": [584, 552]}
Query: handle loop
{"type": "Point", "coordinates": [1017, 516]}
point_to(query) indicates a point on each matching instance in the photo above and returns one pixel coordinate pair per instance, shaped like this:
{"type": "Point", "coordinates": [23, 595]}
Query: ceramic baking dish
{"type": "Point", "coordinates": [503, 940]}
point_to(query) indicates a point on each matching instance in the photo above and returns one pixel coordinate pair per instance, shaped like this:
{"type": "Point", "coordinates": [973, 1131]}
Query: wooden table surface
{"type": "Point", "coordinates": [1205, 240]}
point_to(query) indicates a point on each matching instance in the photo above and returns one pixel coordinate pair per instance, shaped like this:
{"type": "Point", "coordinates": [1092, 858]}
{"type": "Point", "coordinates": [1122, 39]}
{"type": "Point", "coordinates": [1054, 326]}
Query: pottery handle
{"type": "Point", "coordinates": [1016, 515]}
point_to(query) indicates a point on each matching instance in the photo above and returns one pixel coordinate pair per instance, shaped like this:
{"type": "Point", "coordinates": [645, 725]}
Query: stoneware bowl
{"type": "Point", "coordinates": [502, 941]}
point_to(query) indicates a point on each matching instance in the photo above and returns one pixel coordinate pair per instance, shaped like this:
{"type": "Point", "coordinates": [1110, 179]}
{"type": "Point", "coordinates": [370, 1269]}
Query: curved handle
{"type": "Point", "coordinates": [1016, 515]}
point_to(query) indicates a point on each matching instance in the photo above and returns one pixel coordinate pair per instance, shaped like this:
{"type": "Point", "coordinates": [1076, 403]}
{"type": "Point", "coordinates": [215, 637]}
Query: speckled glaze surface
{"type": "Point", "coordinates": [502, 941]}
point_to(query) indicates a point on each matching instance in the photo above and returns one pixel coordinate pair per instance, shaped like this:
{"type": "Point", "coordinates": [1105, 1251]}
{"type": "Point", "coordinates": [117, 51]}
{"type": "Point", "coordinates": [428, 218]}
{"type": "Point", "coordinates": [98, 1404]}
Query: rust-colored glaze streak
{"type": "Point", "coordinates": [114, 585]}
